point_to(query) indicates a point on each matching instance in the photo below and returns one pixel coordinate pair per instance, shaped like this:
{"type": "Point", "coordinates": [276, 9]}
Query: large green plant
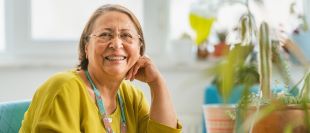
{"type": "Point", "coordinates": [273, 101]}
{"type": "Point", "coordinates": [238, 66]}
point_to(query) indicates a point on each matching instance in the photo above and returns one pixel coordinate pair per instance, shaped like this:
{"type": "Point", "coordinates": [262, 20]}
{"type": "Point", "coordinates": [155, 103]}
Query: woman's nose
{"type": "Point", "coordinates": [116, 43]}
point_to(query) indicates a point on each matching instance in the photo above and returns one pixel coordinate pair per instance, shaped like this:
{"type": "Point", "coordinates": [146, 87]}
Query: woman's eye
{"type": "Point", "coordinates": [126, 35]}
{"type": "Point", "coordinates": [105, 34]}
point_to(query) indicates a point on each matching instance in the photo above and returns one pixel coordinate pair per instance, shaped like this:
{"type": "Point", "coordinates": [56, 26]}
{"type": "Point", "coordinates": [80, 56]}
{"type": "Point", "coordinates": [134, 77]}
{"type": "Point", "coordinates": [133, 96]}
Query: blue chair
{"type": "Point", "coordinates": [11, 115]}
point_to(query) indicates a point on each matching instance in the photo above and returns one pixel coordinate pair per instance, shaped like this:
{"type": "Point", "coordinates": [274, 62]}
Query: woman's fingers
{"type": "Point", "coordinates": [128, 76]}
{"type": "Point", "coordinates": [132, 73]}
{"type": "Point", "coordinates": [136, 68]}
{"type": "Point", "coordinates": [141, 70]}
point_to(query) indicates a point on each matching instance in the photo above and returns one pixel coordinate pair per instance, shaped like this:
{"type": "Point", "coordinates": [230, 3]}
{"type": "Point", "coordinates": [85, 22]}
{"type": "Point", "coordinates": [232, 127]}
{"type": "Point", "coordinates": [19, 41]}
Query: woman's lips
{"type": "Point", "coordinates": [115, 58]}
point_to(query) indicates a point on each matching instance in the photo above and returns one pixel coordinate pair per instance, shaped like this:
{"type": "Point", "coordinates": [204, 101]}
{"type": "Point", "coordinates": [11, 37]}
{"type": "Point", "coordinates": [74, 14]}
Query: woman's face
{"type": "Point", "coordinates": [114, 46]}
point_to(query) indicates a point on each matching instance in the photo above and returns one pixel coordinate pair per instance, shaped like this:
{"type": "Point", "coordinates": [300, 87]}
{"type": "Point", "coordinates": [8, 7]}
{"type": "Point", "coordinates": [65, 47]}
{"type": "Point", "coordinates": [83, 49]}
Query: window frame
{"type": "Point", "coordinates": [306, 4]}
{"type": "Point", "coordinates": [18, 34]}
{"type": "Point", "coordinates": [18, 41]}
{"type": "Point", "coordinates": [20, 45]}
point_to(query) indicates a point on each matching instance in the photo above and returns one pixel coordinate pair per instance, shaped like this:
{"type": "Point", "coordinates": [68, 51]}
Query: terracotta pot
{"type": "Point", "coordinates": [202, 52]}
{"type": "Point", "coordinates": [221, 49]}
{"type": "Point", "coordinates": [279, 119]}
{"type": "Point", "coordinates": [217, 119]}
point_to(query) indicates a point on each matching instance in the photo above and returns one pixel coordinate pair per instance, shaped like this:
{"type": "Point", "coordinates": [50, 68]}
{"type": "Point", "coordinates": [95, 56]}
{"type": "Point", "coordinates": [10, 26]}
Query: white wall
{"type": "Point", "coordinates": [20, 81]}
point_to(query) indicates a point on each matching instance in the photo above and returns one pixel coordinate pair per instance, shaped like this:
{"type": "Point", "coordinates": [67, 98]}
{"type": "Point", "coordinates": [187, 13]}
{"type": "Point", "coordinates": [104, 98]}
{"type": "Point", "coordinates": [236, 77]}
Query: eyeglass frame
{"type": "Point", "coordinates": [113, 36]}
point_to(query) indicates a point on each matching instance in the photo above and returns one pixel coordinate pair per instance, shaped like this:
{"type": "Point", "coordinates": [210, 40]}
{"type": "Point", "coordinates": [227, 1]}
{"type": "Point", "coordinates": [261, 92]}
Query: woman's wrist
{"type": "Point", "coordinates": [158, 82]}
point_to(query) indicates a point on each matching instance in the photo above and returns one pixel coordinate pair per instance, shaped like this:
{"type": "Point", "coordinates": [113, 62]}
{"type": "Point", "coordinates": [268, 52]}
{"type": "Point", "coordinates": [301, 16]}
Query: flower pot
{"type": "Point", "coordinates": [281, 118]}
{"type": "Point", "coordinates": [217, 118]}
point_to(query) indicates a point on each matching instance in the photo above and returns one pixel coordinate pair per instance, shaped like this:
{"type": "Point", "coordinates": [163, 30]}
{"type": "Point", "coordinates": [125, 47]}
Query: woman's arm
{"type": "Point", "coordinates": [54, 108]}
{"type": "Point", "coordinates": [162, 110]}
{"type": "Point", "coordinates": [161, 107]}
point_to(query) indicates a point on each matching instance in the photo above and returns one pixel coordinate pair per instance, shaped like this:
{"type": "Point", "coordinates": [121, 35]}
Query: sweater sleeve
{"type": "Point", "coordinates": [58, 111]}
{"type": "Point", "coordinates": [146, 125]}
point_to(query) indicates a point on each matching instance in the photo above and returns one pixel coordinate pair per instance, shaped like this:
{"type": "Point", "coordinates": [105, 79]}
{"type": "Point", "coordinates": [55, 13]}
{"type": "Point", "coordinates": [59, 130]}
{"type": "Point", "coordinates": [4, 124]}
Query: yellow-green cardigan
{"type": "Point", "coordinates": [63, 104]}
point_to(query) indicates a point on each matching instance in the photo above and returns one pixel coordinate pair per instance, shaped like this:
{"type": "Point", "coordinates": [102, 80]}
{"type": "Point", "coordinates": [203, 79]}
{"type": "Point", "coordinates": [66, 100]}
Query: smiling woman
{"type": "Point", "coordinates": [95, 97]}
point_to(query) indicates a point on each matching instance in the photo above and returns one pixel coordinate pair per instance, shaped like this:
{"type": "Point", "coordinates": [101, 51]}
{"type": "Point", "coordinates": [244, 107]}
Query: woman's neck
{"type": "Point", "coordinates": [107, 87]}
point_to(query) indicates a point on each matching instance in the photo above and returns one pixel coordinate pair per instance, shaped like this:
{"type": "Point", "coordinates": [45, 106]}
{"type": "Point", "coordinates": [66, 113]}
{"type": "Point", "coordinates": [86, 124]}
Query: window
{"type": "Point", "coordinates": [51, 28]}
{"type": "Point", "coordinates": [179, 18]}
{"type": "Point", "coordinates": [287, 13]}
{"type": "Point", "coordinates": [2, 35]}
{"type": "Point", "coordinates": [65, 20]}
{"type": "Point", "coordinates": [48, 26]}
{"type": "Point", "coordinates": [180, 10]}
{"type": "Point", "coordinates": [228, 14]}
{"type": "Point", "coordinates": [307, 10]}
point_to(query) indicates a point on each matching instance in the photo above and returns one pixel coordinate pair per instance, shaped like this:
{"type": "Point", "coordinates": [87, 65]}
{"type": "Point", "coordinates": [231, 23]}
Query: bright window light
{"type": "Point", "coordinates": [179, 18]}
{"type": "Point", "coordinates": [228, 14]}
{"type": "Point", "coordinates": [65, 19]}
{"type": "Point", "coordinates": [2, 35]}
{"type": "Point", "coordinates": [280, 14]}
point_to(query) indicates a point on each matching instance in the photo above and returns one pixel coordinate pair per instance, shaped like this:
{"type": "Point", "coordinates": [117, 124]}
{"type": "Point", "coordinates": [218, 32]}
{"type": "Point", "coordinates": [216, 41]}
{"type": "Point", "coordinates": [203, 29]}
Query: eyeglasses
{"type": "Point", "coordinates": [107, 36]}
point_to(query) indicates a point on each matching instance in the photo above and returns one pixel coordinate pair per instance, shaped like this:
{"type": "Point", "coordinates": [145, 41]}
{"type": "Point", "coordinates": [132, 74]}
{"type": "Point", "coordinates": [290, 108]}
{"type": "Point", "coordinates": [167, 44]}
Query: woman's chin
{"type": "Point", "coordinates": [117, 72]}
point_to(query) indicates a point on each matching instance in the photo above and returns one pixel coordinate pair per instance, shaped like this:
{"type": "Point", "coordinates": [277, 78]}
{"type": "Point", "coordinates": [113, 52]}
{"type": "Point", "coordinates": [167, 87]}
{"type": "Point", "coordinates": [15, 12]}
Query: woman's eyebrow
{"type": "Point", "coordinates": [109, 29]}
{"type": "Point", "coordinates": [125, 29]}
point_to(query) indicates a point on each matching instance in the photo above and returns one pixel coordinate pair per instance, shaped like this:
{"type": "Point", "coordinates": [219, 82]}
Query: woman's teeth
{"type": "Point", "coordinates": [115, 58]}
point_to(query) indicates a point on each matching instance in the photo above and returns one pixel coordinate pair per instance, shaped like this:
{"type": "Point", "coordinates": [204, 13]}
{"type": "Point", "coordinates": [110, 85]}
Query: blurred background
{"type": "Point", "coordinates": [184, 37]}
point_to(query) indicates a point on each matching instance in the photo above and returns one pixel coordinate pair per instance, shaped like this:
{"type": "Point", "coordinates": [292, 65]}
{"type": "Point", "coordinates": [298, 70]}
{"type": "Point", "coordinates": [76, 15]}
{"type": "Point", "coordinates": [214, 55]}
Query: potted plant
{"type": "Point", "coordinates": [234, 74]}
{"type": "Point", "coordinates": [266, 112]}
{"type": "Point", "coordinates": [262, 111]}
{"type": "Point", "coordinates": [270, 113]}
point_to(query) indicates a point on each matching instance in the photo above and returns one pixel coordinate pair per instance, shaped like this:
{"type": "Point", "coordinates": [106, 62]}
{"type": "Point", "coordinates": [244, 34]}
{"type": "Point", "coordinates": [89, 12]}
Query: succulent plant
{"type": "Point", "coordinates": [264, 60]}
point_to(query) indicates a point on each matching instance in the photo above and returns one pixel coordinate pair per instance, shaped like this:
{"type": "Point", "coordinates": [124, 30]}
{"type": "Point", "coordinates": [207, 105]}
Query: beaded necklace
{"type": "Point", "coordinates": [100, 104]}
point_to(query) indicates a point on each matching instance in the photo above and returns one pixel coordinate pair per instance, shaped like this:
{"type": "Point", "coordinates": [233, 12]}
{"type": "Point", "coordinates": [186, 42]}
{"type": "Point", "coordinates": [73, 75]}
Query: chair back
{"type": "Point", "coordinates": [11, 115]}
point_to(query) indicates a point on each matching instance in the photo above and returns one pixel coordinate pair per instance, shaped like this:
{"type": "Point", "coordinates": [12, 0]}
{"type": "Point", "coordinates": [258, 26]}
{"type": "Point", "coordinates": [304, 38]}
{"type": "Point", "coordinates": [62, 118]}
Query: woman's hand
{"type": "Point", "coordinates": [161, 109]}
{"type": "Point", "coordinates": [144, 70]}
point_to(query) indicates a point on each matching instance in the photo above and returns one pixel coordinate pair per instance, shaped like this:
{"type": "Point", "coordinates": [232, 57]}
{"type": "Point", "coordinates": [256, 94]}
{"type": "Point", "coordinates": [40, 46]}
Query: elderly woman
{"type": "Point", "coordinates": [95, 98]}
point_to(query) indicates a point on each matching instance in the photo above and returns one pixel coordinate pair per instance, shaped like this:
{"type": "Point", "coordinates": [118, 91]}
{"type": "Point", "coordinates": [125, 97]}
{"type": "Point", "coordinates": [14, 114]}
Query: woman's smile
{"type": "Point", "coordinates": [115, 59]}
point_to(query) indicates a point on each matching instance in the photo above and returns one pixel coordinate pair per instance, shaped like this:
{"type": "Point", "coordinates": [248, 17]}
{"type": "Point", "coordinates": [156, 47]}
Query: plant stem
{"type": "Point", "coordinates": [265, 60]}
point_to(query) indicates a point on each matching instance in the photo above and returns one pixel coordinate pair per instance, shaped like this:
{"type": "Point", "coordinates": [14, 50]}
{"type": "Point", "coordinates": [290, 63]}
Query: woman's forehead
{"type": "Point", "coordinates": [114, 20]}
